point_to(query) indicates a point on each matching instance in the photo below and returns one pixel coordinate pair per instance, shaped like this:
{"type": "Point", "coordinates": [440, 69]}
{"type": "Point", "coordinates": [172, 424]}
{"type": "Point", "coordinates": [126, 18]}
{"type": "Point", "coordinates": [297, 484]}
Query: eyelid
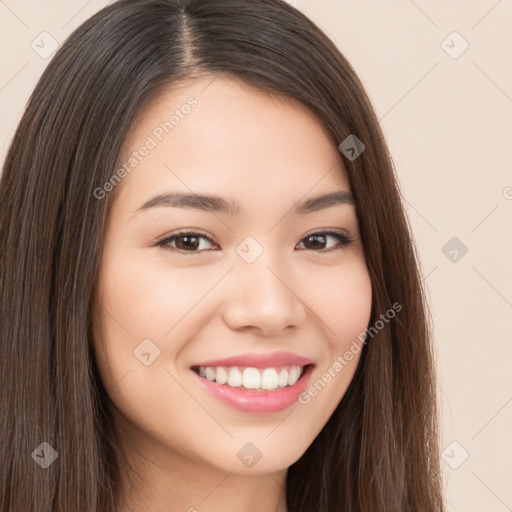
{"type": "Point", "coordinates": [338, 231]}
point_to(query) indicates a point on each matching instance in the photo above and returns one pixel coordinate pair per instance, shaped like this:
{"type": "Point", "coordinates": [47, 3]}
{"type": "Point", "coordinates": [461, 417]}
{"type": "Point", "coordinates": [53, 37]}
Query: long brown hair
{"type": "Point", "coordinates": [379, 450]}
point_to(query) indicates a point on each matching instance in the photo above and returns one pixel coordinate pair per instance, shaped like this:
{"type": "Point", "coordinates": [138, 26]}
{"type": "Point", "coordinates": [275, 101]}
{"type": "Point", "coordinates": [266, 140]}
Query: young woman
{"type": "Point", "coordinates": [210, 295]}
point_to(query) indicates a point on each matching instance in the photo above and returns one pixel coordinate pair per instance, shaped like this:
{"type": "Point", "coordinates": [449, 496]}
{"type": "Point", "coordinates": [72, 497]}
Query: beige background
{"type": "Point", "coordinates": [448, 122]}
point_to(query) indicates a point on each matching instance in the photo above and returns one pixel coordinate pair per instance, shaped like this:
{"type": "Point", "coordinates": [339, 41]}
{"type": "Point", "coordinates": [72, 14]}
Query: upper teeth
{"type": "Point", "coordinates": [252, 378]}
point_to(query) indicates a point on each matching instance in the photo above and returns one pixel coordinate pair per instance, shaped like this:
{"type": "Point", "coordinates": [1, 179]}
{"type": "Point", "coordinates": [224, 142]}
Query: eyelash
{"type": "Point", "coordinates": [344, 240]}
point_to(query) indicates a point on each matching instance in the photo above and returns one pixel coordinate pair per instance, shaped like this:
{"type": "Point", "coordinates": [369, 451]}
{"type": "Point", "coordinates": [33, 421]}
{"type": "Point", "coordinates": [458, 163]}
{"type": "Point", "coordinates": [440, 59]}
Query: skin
{"type": "Point", "coordinates": [266, 153]}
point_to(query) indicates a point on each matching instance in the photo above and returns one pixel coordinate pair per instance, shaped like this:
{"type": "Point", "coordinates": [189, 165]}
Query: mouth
{"type": "Point", "coordinates": [245, 388]}
{"type": "Point", "coordinates": [259, 380]}
{"type": "Point", "coordinates": [255, 383]}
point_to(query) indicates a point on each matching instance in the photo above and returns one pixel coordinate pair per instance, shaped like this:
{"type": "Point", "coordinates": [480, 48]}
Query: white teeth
{"type": "Point", "coordinates": [234, 378]}
{"type": "Point", "coordinates": [294, 375]}
{"type": "Point", "coordinates": [283, 378]}
{"type": "Point", "coordinates": [222, 375]}
{"type": "Point", "coordinates": [267, 379]}
{"type": "Point", "coordinates": [251, 378]}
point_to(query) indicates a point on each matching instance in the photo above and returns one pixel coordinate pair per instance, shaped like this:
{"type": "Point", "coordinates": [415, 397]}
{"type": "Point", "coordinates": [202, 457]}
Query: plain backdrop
{"type": "Point", "coordinates": [439, 76]}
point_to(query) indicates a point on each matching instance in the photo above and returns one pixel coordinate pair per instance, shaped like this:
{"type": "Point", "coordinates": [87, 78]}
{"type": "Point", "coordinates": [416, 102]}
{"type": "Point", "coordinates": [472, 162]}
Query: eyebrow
{"type": "Point", "coordinates": [218, 204]}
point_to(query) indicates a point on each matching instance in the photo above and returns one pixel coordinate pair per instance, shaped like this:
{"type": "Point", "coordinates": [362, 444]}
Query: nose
{"type": "Point", "coordinates": [263, 297]}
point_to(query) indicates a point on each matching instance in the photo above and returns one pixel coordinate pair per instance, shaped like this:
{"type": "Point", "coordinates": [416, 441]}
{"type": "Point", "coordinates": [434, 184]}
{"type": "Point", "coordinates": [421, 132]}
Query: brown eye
{"type": "Point", "coordinates": [188, 241]}
{"type": "Point", "coordinates": [319, 239]}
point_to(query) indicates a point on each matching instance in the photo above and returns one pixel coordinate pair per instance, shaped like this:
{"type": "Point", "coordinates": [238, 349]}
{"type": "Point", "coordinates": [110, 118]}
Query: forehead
{"type": "Point", "coordinates": [225, 137]}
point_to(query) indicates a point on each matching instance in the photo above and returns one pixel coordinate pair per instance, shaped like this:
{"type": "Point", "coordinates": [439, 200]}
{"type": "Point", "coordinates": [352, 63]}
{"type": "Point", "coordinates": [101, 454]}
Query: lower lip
{"type": "Point", "coordinates": [260, 402]}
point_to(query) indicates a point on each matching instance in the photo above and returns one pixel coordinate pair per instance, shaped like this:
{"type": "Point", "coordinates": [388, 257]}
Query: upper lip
{"type": "Point", "coordinates": [260, 360]}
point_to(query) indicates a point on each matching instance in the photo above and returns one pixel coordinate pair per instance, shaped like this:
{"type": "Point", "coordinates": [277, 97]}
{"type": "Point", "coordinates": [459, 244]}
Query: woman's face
{"type": "Point", "coordinates": [250, 282]}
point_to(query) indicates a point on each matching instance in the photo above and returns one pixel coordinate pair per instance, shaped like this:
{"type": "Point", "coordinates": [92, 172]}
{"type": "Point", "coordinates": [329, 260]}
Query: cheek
{"type": "Point", "coordinates": [349, 316]}
{"type": "Point", "coordinates": [342, 300]}
{"type": "Point", "coordinates": [141, 299]}
{"type": "Point", "coordinates": [148, 297]}
{"type": "Point", "coordinates": [143, 326]}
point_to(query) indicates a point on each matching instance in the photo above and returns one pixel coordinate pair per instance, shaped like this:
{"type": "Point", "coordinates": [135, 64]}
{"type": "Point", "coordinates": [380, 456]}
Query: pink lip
{"type": "Point", "coordinates": [262, 402]}
{"type": "Point", "coordinates": [260, 360]}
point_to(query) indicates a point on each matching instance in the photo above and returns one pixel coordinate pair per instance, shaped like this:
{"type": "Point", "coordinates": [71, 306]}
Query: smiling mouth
{"type": "Point", "coordinates": [253, 379]}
